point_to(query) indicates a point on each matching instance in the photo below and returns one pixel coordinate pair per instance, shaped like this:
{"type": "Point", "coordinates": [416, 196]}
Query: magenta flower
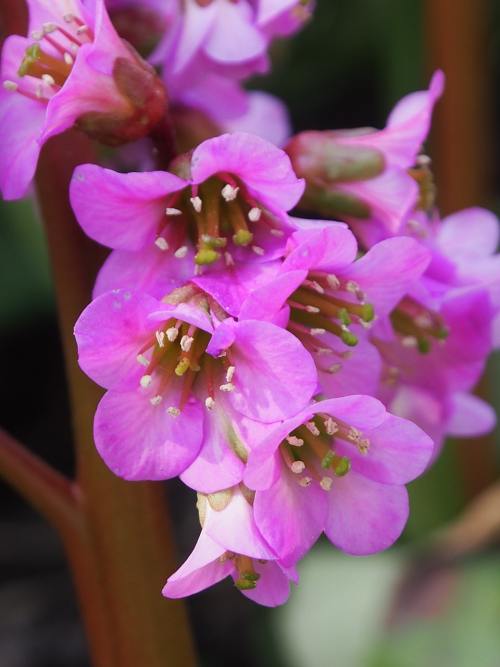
{"type": "Point", "coordinates": [230, 545]}
{"type": "Point", "coordinates": [361, 175]}
{"type": "Point", "coordinates": [339, 466]}
{"type": "Point", "coordinates": [331, 299]}
{"type": "Point", "coordinates": [233, 200]}
{"type": "Point", "coordinates": [72, 70]}
{"type": "Point", "coordinates": [181, 376]}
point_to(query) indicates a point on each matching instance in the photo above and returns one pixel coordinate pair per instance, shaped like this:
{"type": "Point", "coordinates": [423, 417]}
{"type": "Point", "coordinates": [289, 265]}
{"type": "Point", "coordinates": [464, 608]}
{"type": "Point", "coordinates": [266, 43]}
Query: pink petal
{"type": "Point", "coordinates": [470, 416]}
{"type": "Point", "coordinates": [233, 38]}
{"type": "Point", "coordinates": [273, 587]}
{"type": "Point", "coordinates": [129, 208]}
{"type": "Point", "coordinates": [328, 249]}
{"type": "Point", "coordinates": [265, 116]}
{"type": "Point", "coordinates": [365, 517]}
{"type": "Point", "coordinates": [471, 234]}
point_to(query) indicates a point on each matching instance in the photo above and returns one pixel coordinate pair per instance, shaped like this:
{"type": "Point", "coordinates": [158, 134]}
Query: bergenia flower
{"type": "Point", "coordinates": [361, 175]}
{"type": "Point", "coordinates": [333, 299]}
{"type": "Point", "coordinates": [73, 69]}
{"type": "Point", "coordinates": [232, 201]}
{"type": "Point", "coordinates": [230, 545]}
{"type": "Point", "coordinates": [339, 466]}
{"type": "Point", "coordinates": [182, 376]}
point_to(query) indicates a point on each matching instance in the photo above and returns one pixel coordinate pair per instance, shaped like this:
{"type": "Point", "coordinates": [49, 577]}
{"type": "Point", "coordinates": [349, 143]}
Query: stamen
{"type": "Point", "coordinates": [49, 27]}
{"type": "Point", "coordinates": [172, 333]}
{"type": "Point", "coordinates": [277, 232]}
{"type": "Point", "coordinates": [10, 85]}
{"type": "Point", "coordinates": [305, 482]}
{"type": "Point", "coordinates": [161, 243]}
{"type": "Point", "coordinates": [229, 193]}
{"type": "Point", "coordinates": [196, 203]}
{"type": "Point", "coordinates": [228, 258]}
{"type": "Point", "coordinates": [331, 426]}
{"type": "Point", "coordinates": [186, 343]}
{"type": "Point", "coordinates": [172, 211]}
{"type": "Point", "coordinates": [326, 483]}
{"type": "Point", "coordinates": [333, 281]}
{"type": "Point", "coordinates": [298, 467]}
{"type": "Point", "coordinates": [230, 373]}
{"type": "Point", "coordinates": [181, 252]}
{"type": "Point", "coordinates": [294, 441]}
{"type": "Point", "coordinates": [160, 337]}
{"type": "Point", "coordinates": [254, 214]}
{"type": "Point", "coordinates": [142, 360]}
{"type": "Point", "coordinates": [311, 426]}
{"type": "Point", "coordinates": [68, 58]}
{"type": "Point", "coordinates": [258, 250]}
{"type": "Point", "coordinates": [318, 332]}
{"type": "Point", "coordinates": [145, 381]}
{"type": "Point", "coordinates": [227, 387]}
{"type": "Point", "coordinates": [209, 403]}
{"type": "Point", "coordinates": [334, 368]}
{"type": "Point", "coordinates": [173, 411]}
{"type": "Point", "coordinates": [48, 79]}
{"type": "Point", "coordinates": [156, 400]}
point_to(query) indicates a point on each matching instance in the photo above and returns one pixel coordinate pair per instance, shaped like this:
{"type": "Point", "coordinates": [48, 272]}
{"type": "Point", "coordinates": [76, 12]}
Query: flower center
{"type": "Point", "coordinates": [309, 450]}
{"type": "Point", "coordinates": [417, 326]}
{"type": "Point", "coordinates": [50, 59]}
{"type": "Point", "coordinates": [322, 304]}
{"type": "Point", "coordinates": [219, 215]}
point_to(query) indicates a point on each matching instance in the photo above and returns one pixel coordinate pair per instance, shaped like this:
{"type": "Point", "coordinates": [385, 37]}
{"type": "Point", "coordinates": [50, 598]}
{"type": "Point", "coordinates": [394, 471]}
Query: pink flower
{"type": "Point", "coordinates": [232, 199]}
{"type": "Point", "coordinates": [361, 175]}
{"type": "Point", "coordinates": [230, 545]}
{"type": "Point", "coordinates": [339, 466]}
{"type": "Point", "coordinates": [73, 69]}
{"type": "Point", "coordinates": [180, 377]}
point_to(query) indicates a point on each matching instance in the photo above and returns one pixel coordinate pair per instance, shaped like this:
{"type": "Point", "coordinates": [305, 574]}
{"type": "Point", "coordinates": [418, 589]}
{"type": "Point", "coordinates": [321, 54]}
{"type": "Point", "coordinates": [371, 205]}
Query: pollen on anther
{"type": "Point", "coordinates": [156, 400]}
{"type": "Point", "coordinates": [81, 29]}
{"type": "Point", "coordinates": [160, 337]}
{"type": "Point", "coordinates": [331, 426]}
{"type": "Point", "coordinates": [254, 214]}
{"type": "Point", "coordinates": [298, 467]}
{"type": "Point", "coordinates": [49, 27]}
{"type": "Point", "coordinates": [326, 483]}
{"type": "Point", "coordinates": [230, 373]}
{"type": "Point", "coordinates": [173, 412]}
{"type": "Point", "coordinates": [312, 309]}
{"type": "Point", "coordinates": [305, 481]}
{"type": "Point", "coordinates": [142, 360]}
{"type": "Point", "coordinates": [209, 403]}
{"type": "Point", "coordinates": [311, 426]}
{"type": "Point", "coordinates": [172, 333]}
{"type": "Point", "coordinates": [196, 203]}
{"type": "Point", "coordinates": [161, 243]}
{"type": "Point", "coordinates": [294, 441]}
{"type": "Point", "coordinates": [181, 252]}
{"type": "Point", "coordinates": [68, 58]}
{"type": "Point", "coordinates": [145, 381]}
{"type": "Point", "coordinates": [48, 79]}
{"type": "Point", "coordinates": [172, 211]}
{"type": "Point", "coordinates": [227, 387]}
{"type": "Point", "coordinates": [318, 332]}
{"type": "Point", "coordinates": [10, 85]}
{"type": "Point", "coordinates": [258, 250]}
{"type": "Point", "coordinates": [334, 368]}
{"type": "Point", "coordinates": [333, 281]}
{"type": "Point", "coordinates": [229, 193]}
{"type": "Point", "coordinates": [186, 343]}
{"type": "Point", "coordinates": [277, 232]}
{"type": "Point", "coordinates": [37, 35]}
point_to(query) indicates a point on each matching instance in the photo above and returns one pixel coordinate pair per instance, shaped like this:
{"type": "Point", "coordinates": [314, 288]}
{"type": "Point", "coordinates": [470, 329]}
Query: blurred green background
{"type": "Point", "coordinates": [411, 606]}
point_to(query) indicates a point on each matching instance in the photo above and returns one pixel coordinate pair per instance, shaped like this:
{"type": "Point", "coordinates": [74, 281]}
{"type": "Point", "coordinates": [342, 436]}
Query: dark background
{"type": "Point", "coordinates": [408, 607]}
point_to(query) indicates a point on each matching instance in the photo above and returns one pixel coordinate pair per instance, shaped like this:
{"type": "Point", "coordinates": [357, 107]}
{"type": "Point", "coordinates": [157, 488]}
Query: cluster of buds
{"type": "Point", "coordinates": [295, 373]}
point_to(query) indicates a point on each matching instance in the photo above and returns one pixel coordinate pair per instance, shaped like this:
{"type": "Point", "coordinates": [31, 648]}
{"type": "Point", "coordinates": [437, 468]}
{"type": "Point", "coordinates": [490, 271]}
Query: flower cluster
{"type": "Point", "coordinates": [296, 373]}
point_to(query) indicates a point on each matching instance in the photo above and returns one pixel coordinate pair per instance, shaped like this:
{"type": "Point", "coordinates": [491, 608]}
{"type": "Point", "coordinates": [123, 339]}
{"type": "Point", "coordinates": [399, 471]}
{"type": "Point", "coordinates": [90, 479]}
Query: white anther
{"type": "Point", "coordinates": [254, 214]}
{"type": "Point", "coordinates": [161, 243]}
{"type": "Point", "coordinates": [423, 160]}
{"type": "Point", "coordinates": [312, 309]}
{"type": "Point", "coordinates": [367, 325]}
{"type": "Point", "coordinates": [48, 79]}
{"type": "Point", "coordinates": [229, 193]}
{"type": "Point", "coordinates": [333, 281]}
{"type": "Point", "coordinates": [298, 467]}
{"type": "Point", "coordinates": [228, 258]}
{"type": "Point", "coordinates": [354, 435]}
{"type": "Point", "coordinates": [277, 232]}
{"type": "Point", "coordinates": [160, 337]}
{"type": "Point", "coordinates": [331, 426]}
{"type": "Point", "coordinates": [156, 400]}
{"type": "Point", "coordinates": [323, 351]}
{"type": "Point", "coordinates": [209, 403]}
{"type": "Point", "coordinates": [145, 381]}
{"type": "Point", "coordinates": [318, 332]}
{"type": "Point", "coordinates": [181, 252]}
{"type": "Point", "coordinates": [334, 368]}
{"type": "Point", "coordinates": [68, 18]}
{"type": "Point", "coordinates": [173, 412]}
{"type": "Point", "coordinates": [37, 35]}
{"type": "Point", "coordinates": [317, 287]}
{"type": "Point", "coordinates": [424, 321]}
{"type": "Point", "coordinates": [81, 29]}
{"type": "Point", "coordinates": [49, 27]}
{"type": "Point", "coordinates": [172, 211]}
{"type": "Point", "coordinates": [172, 333]}
{"type": "Point", "coordinates": [68, 58]}
{"type": "Point", "coordinates": [230, 373]}
{"type": "Point", "coordinates": [409, 341]}
{"type": "Point", "coordinates": [39, 91]}
{"type": "Point", "coordinates": [355, 289]}
{"type": "Point", "coordinates": [227, 387]}
{"type": "Point", "coordinates": [294, 441]}
{"type": "Point", "coordinates": [305, 481]}
{"type": "Point", "coordinates": [186, 343]}
{"type": "Point", "coordinates": [258, 250]}
{"type": "Point", "coordinates": [142, 360]}
{"type": "Point", "coordinates": [326, 483]}
{"type": "Point", "coordinates": [363, 445]}
{"type": "Point", "coordinates": [196, 203]}
{"type": "Point", "coordinates": [311, 426]}
{"type": "Point", "coordinates": [10, 85]}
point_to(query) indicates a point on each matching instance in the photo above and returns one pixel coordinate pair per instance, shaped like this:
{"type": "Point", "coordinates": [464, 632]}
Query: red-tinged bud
{"type": "Point", "coordinates": [326, 160]}
{"type": "Point", "coordinates": [145, 105]}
